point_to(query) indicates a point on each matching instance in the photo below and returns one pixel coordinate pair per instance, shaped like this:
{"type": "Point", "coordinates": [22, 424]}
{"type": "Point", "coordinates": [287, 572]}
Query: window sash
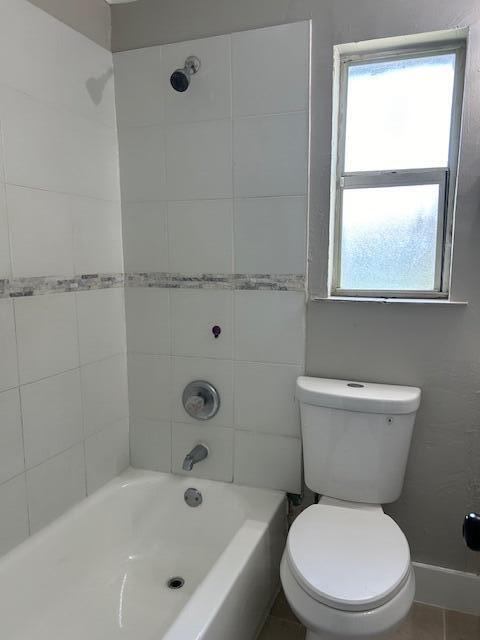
{"type": "Point", "coordinates": [445, 177]}
{"type": "Point", "coordinates": [378, 179]}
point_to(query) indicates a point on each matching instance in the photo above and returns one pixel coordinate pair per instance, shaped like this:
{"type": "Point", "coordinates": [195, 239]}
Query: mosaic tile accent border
{"type": "Point", "coordinates": [236, 281]}
{"type": "Point", "coordinates": [27, 287]}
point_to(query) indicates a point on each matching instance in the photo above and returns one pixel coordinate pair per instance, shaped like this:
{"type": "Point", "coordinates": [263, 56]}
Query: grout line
{"type": "Point", "coordinates": [170, 126]}
{"type": "Point", "coordinates": [20, 403]}
{"type": "Point", "coordinates": [127, 203]}
{"type": "Point", "coordinates": [72, 194]}
{"type": "Point", "coordinates": [60, 107]}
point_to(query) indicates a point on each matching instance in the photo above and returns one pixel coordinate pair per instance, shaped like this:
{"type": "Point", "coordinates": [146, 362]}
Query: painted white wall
{"type": "Point", "coordinates": [436, 349]}
{"type": "Point", "coordinates": [63, 381]}
{"type": "Point", "coordinates": [215, 181]}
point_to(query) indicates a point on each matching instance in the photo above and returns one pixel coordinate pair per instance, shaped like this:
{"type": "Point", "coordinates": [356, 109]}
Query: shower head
{"type": "Point", "coordinates": [180, 79]}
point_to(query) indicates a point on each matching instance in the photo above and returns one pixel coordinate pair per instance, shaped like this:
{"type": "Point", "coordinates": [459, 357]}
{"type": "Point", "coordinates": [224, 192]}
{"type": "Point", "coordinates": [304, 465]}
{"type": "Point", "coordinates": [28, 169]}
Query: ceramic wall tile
{"type": "Point", "coordinates": [270, 69]}
{"type": "Point", "coordinates": [12, 461]}
{"type": "Point", "coordinates": [55, 486]}
{"type": "Point", "coordinates": [270, 155]}
{"type": "Point", "coordinates": [150, 388]}
{"type": "Point", "coordinates": [14, 527]}
{"type": "Point", "coordinates": [46, 335]}
{"type": "Point", "coordinates": [273, 462]}
{"type": "Point", "coordinates": [148, 321]}
{"type": "Point", "coordinates": [265, 398]}
{"type": "Point", "coordinates": [199, 160]}
{"type": "Point", "coordinates": [271, 235]}
{"type": "Point", "coordinates": [194, 315]}
{"type": "Point", "coordinates": [101, 324]}
{"type": "Point", "coordinates": [200, 234]}
{"type": "Point", "coordinates": [52, 416]}
{"type": "Point", "coordinates": [107, 454]}
{"type": "Point", "coordinates": [138, 86]}
{"type": "Point", "coordinates": [270, 326]}
{"type": "Point", "coordinates": [105, 393]}
{"type": "Point", "coordinates": [151, 444]}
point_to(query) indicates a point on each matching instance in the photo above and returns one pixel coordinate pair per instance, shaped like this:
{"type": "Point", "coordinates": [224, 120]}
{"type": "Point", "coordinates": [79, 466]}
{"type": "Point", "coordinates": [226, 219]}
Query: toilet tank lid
{"type": "Point", "coordinates": [351, 395]}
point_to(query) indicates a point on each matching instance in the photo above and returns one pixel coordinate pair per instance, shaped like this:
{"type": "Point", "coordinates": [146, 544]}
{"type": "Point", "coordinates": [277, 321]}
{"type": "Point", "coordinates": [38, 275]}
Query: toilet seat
{"type": "Point", "coordinates": [351, 558]}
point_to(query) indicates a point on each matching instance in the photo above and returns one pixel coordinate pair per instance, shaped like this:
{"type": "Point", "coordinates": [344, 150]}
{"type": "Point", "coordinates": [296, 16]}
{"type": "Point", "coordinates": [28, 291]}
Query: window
{"type": "Point", "coordinates": [397, 153]}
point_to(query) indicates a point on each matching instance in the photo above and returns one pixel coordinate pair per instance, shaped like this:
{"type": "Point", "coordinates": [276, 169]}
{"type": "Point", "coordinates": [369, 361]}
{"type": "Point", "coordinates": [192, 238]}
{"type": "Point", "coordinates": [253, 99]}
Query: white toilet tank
{"type": "Point", "coordinates": [356, 437]}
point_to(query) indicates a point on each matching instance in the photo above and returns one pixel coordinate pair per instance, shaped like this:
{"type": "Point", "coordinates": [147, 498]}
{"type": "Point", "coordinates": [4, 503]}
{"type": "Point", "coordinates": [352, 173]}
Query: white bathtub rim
{"type": "Point", "coordinates": [130, 476]}
{"type": "Point", "coordinates": [193, 618]}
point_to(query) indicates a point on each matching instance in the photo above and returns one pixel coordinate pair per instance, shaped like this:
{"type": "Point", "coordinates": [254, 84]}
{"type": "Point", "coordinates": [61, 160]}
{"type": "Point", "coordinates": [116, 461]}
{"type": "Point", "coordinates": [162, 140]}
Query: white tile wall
{"type": "Point", "coordinates": [2, 167]}
{"type": "Point", "coordinates": [8, 351]}
{"type": "Point", "coordinates": [255, 220]}
{"type": "Point", "coordinates": [49, 148]}
{"type": "Point", "coordinates": [145, 236]}
{"type": "Point", "coordinates": [97, 236]}
{"type": "Point", "coordinates": [41, 232]}
{"type": "Point", "coordinates": [105, 393]}
{"type": "Point", "coordinates": [270, 76]}
{"type": "Point", "coordinates": [142, 162]}
{"type": "Point", "coordinates": [199, 160]}
{"type": "Point", "coordinates": [200, 235]}
{"type": "Point", "coordinates": [148, 321]}
{"type": "Point", "coordinates": [150, 386]}
{"type": "Point", "coordinates": [194, 314]}
{"type": "Point", "coordinates": [270, 155]}
{"type": "Point", "coordinates": [11, 442]}
{"type": "Point", "coordinates": [5, 264]}
{"type": "Point", "coordinates": [52, 416]}
{"type": "Point", "coordinates": [151, 444]}
{"type": "Point", "coordinates": [101, 324]}
{"type": "Point", "coordinates": [270, 326]}
{"type": "Point", "coordinates": [235, 152]}
{"type": "Point", "coordinates": [47, 335]}
{"type": "Point", "coordinates": [55, 485]}
{"type": "Point", "coordinates": [267, 461]}
{"type": "Point", "coordinates": [13, 507]}
{"type": "Point", "coordinates": [265, 401]}
{"type": "Point", "coordinates": [45, 59]}
{"type": "Point", "coordinates": [59, 216]}
{"type": "Point", "coordinates": [107, 454]}
{"type": "Point", "coordinates": [138, 87]}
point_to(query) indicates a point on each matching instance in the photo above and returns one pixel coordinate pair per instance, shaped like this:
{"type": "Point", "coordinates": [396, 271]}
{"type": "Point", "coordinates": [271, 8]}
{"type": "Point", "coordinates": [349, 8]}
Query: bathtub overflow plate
{"type": "Point", "coordinates": [193, 497]}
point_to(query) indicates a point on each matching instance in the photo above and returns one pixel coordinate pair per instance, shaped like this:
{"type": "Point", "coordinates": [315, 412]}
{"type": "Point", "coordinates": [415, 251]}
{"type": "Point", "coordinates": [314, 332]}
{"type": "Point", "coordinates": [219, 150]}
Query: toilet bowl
{"type": "Point", "coordinates": [346, 569]}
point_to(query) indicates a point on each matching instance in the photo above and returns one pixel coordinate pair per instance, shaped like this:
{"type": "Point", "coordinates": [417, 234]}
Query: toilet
{"type": "Point", "coordinates": [346, 568]}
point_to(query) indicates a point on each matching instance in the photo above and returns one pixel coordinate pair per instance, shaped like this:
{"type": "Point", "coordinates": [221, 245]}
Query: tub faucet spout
{"type": "Point", "coordinates": [198, 453]}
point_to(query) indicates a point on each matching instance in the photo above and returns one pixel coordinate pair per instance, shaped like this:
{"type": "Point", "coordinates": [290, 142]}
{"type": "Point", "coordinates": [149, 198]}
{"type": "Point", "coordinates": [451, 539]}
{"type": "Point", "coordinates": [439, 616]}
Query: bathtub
{"type": "Point", "coordinates": [100, 572]}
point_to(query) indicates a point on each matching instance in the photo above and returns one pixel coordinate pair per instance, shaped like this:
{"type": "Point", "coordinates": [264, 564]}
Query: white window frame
{"type": "Point", "coordinates": [445, 177]}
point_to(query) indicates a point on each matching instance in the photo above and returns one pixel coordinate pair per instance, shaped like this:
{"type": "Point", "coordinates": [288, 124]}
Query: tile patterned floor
{"type": "Point", "coordinates": [423, 623]}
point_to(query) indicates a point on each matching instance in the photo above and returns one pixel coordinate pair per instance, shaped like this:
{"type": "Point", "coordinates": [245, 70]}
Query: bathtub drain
{"type": "Point", "coordinates": [175, 583]}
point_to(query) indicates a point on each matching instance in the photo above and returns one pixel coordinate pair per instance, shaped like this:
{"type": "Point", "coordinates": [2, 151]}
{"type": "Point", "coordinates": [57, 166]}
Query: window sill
{"type": "Point", "coordinates": [431, 302]}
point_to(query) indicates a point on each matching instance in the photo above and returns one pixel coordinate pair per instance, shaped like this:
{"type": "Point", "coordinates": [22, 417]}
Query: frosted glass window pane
{"type": "Point", "coordinates": [389, 238]}
{"type": "Point", "coordinates": [399, 113]}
